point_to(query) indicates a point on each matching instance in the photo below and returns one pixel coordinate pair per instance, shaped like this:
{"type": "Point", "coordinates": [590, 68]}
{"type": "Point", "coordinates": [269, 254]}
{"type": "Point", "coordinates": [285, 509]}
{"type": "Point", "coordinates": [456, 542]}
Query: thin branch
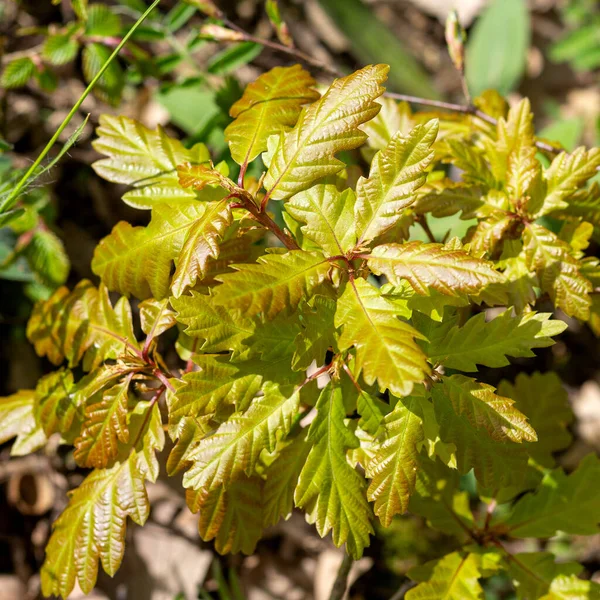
{"type": "Point", "coordinates": [464, 109]}
{"type": "Point", "coordinates": [341, 581]}
{"type": "Point", "coordinates": [306, 58]}
{"type": "Point", "coordinates": [27, 53]}
{"type": "Point", "coordinates": [422, 221]}
{"type": "Point", "coordinates": [163, 379]}
{"type": "Point", "coordinates": [263, 218]}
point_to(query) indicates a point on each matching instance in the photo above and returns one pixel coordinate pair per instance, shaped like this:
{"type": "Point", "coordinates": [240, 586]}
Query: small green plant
{"type": "Point", "coordinates": [327, 358]}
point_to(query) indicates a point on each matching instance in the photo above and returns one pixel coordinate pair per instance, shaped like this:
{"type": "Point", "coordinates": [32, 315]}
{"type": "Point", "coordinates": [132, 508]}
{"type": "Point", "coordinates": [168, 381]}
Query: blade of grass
{"type": "Point", "coordinates": [13, 197]}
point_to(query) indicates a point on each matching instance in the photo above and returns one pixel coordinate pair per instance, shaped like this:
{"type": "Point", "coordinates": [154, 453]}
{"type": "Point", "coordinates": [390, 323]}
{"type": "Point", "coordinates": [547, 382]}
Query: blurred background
{"type": "Point", "coordinates": [548, 50]}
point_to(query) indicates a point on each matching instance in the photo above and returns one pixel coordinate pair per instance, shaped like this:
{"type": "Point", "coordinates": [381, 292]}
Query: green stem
{"type": "Point", "coordinates": [341, 581]}
{"type": "Point", "coordinates": [12, 199]}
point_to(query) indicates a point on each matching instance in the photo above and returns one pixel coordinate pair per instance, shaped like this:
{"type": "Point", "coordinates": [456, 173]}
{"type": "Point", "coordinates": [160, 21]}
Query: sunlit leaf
{"type": "Point", "coordinates": [327, 126]}
{"type": "Point", "coordinates": [270, 104]}
{"type": "Point", "coordinates": [386, 350]}
{"type": "Point", "coordinates": [330, 489]}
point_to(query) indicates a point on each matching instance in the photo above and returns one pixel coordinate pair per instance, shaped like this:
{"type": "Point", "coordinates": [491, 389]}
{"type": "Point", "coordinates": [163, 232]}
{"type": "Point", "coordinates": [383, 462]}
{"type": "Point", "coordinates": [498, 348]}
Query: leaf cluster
{"type": "Point", "coordinates": [328, 362]}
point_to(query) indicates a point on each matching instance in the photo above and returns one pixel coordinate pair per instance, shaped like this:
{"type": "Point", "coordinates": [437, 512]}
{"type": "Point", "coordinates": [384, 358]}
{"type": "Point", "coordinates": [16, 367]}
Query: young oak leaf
{"type": "Point", "coordinates": [330, 489]}
{"type": "Point", "coordinates": [104, 424]}
{"type": "Point", "coordinates": [483, 408]}
{"type": "Point", "coordinates": [232, 516]}
{"type": "Point", "coordinates": [156, 317]}
{"type": "Point", "coordinates": [144, 159]}
{"type": "Point", "coordinates": [567, 503]}
{"type": "Point", "coordinates": [396, 173]}
{"type": "Point", "coordinates": [218, 381]}
{"type": "Point", "coordinates": [567, 174]}
{"type": "Point", "coordinates": [558, 270]}
{"type": "Point", "coordinates": [212, 324]}
{"type": "Point", "coordinates": [435, 266]}
{"type": "Point", "coordinates": [495, 458]}
{"type": "Point", "coordinates": [386, 350]}
{"type": "Point", "coordinates": [489, 343]}
{"type": "Point", "coordinates": [330, 125]}
{"type": "Point", "coordinates": [138, 260]}
{"type": "Point", "coordinates": [82, 324]}
{"type": "Point", "coordinates": [282, 478]}
{"type": "Point", "coordinates": [269, 105]}
{"type": "Point", "coordinates": [275, 284]}
{"type": "Point", "coordinates": [17, 419]}
{"type": "Point", "coordinates": [393, 469]}
{"type": "Point", "coordinates": [453, 577]}
{"type": "Point", "coordinates": [234, 448]}
{"type": "Point", "coordinates": [329, 217]}
{"type": "Point", "coordinates": [92, 527]}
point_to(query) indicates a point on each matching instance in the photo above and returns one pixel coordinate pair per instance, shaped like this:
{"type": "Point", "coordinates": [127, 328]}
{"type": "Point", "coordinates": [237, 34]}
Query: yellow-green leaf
{"type": "Point", "coordinates": [275, 284]}
{"type": "Point", "coordinates": [138, 260]}
{"type": "Point", "coordinates": [481, 342]}
{"type": "Point", "coordinates": [544, 400]}
{"type": "Point", "coordinates": [396, 173]}
{"type": "Point", "coordinates": [386, 350]}
{"type": "Point", "coordinates": [145, 159]}
{"type": "Point", "coordinates": [269, 105]}
{"type": "Point", "coordinates": [233, 449]}
{"type": "Point", "coordinates": [329, 217]}
{"type": "Point", "coordinates": [231, 517]}
{"type": "Point", "coordinates": [330, 125]}
{"type": "Point", "coordinates": [330, 490]}
{"type": "Point", "coordinates": [82, 324]}
{"type": "Point", "coordinates": [105, 422]}
{"type": "Point", "coordinates": [434, 266]}
{"type": "Point", "coordinates": [393, 469]}
{"type": "Point", "coordinates": [453, 577]}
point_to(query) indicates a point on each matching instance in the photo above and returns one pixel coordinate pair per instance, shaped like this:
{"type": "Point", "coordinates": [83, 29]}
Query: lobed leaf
{"type": "Point", "coordinates": [231, 516]}
{"type": "Point", "coordinates": [81, 324]}
{"type": "Point", "coordinates": [330, 489]}
{"type": "Point", "coordinates": [496, 460]}
{"type": "Point", "coordinates": [396, 173]}
{"type": "Point", "coordinates": [567, 503]}
{"type": "Point", "coordinates": [104, 424]}
{"type": "Point", "coordinates": [17, 419]}
{"type": "Point", "coordinates": [218, 381]}
{"type": "Point", "coordinates": [558, 271]}
{"type": "Point", "coordinates": [433, 266]}
{"type": "Point", "coordinates": [281, 480]}
{"type": "Point", "coordinates": [92, 527]}
{"type": "Point", "coordinates": [567, 174]}
{"type": "Point", "coordinates": [57, 406]}
{"type": "Point", "coordinates": [212, 324]}
{"type": "Point", "coordinates": [386, 350]}
{"type": "Point", "coordinates": [329, 217]}
{"type": "Point", "coordinates": [330, 125]}
{"type": "Point", "coordinates": [393, 468]}
{"type": "Point", "coordinates": [453, 577]}
{"type": "Point", "coordinates": [489, 343]}
{"type": "Point", "coordinates": [145, 159]}
{"type": "Point", "coordinates": [234, 448]}
{"type": "Point", "coordinates": [269, 105]}
{"type": "Point", "coordinates": [275, 284]}
{"type": "Point", "coordinates": [138, 260]}
{"type": "Point", "coordinates": [543, 399]}
{"type": "Point", "coordinates": [156, 317]}
{"type": "Point", "coordinates": [533, 574]}
{"type": "Point", "coordinates": [484, 409]}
